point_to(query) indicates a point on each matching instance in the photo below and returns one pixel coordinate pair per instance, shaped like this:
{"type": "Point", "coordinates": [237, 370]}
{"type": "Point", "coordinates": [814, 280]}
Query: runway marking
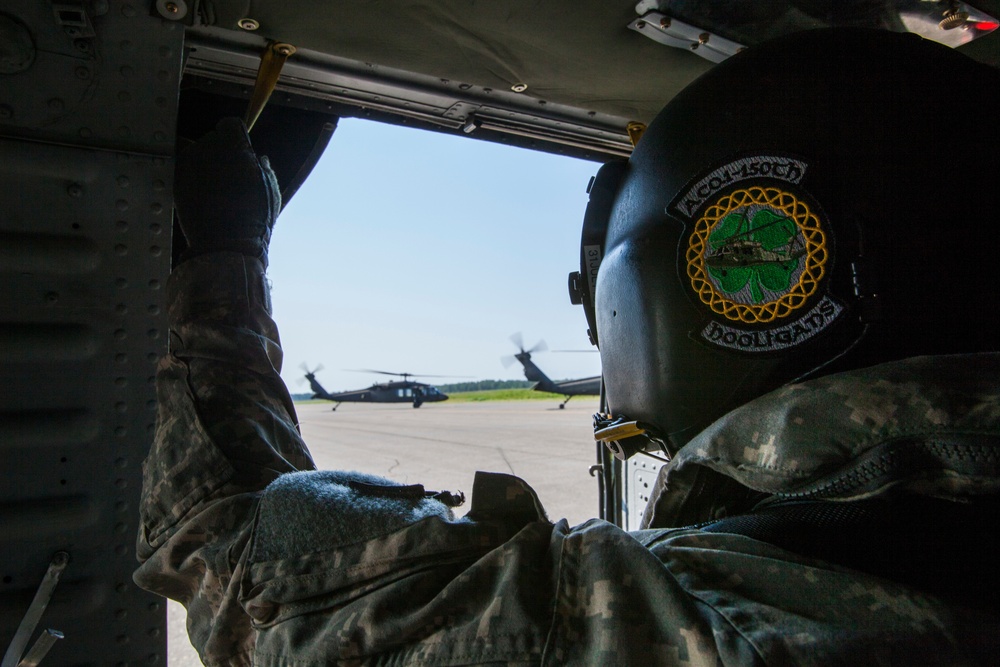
{"type": "Point", "coordinates": [504, 457]}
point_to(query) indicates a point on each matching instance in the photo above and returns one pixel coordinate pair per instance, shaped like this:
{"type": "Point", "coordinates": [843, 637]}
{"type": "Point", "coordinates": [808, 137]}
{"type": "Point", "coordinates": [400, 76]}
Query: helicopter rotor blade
{"type": "Point", "coordinates": [518, 340]}
{"type": "Point", "coordinates": [403, 375]}
{"type": "Point", "coordinates": [540, 346]}
{"type": "Point", "coordinates": [508, 360]}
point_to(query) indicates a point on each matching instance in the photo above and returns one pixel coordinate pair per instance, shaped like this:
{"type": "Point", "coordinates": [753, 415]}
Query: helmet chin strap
{"type": "Point", "coordinates": [815, 372]}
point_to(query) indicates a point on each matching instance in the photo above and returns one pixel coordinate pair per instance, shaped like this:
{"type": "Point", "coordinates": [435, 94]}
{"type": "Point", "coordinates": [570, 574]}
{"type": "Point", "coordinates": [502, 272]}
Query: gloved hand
{"type": "Point", "coordinates": [226, 197]}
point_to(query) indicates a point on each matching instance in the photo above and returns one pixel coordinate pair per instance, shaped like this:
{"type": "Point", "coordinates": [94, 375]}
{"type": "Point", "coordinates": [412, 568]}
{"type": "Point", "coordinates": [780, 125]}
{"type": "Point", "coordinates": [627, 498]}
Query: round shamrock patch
{"type": "Point", "coordinates": [757, 255]}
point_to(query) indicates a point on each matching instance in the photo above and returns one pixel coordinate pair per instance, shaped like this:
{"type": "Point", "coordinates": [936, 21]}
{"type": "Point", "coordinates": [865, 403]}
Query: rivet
{"type": "Point", "coordinates": [156, 228]}
{"type": "Point", "coordinates": [154, 284]}
{"type": "Point", "coordinates": [56, 104]}
{"type": "Point", "coordinates": [121, 614]}
{"type": "Point", "coordinates": [128, 10]}
{"type": "Point", "coordinates": [121, 406]}
{"type": "Point", "coordinates": [121, 484]}
{"type": "Point", "coordinates": [153, 333]}
{"type": "Point", "coordinates": [85, 132]}
{"type": "Point", "coordinates": [703, 38]}
{"type": "Point", "coordinates": [121, 382]}
{"type": "Point", "coordinates": [52, 297]}
{"type": "Point", "coordinates": [519, 87]}
{"type": "Point", "coordinates": [159, 136]}
{"type": "Point", "coordinates": [121, 283]}
{"type": "Point", "coordinates": [120, 334]}
{"type": "Point", "coordinates": [122, 204]}
{"type": "Point", "coordinates": [123, 181]}
{"type": "Point", "coordinates": [74, 190]}
{"type": "Point", "coordinates": [126, 70]}
{"type": "Point", "coordinates": [125, 45]}
{"type": "Point", "coordinates": [664, 23]}
{"type": "Point", "coordinates": [248, 24]}
{"type": "Point", "coordinates": [121, 588]}
{"type": "Point", "coordinates": [121, 309]}
{"type": "Point", "coordinates": [156, 208]}
{"type": "Point", "coordinates": [120, 432]}
{"type": "Point", "coordinates": [159, 185]}
{"type": "Point", "coordinates": [82, 72]}
{"type": "Point", "coordinates": [155, 250]}
{"type": "Point", "coordinates": [153, 309]}
{"type": "Point", "coordinates": [121, 249]}
{"type": "Point", "coordinates": [121, 358]}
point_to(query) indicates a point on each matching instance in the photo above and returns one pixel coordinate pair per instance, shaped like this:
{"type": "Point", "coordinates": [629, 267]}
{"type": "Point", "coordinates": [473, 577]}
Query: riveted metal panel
{"type": "Point", "coordinates": [86, 137]}
{"type": "Point", "coordinates": [640, 477]}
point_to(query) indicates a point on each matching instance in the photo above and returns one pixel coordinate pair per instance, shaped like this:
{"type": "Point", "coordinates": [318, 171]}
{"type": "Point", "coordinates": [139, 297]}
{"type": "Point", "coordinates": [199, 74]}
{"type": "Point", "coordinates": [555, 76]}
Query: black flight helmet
{"type": "Point", "coordinates": [822, 202]}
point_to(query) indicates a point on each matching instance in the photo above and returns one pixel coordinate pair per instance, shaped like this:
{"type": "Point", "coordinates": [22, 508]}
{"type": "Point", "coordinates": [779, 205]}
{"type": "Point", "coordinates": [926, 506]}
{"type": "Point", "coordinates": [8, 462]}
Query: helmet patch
{"type": "Point", "coordinates": [757, 256]}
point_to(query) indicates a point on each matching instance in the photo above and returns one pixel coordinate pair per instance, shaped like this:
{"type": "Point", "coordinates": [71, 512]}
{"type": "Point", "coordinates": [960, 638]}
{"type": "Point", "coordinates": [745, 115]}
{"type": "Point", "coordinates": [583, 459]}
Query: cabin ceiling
{"type": "Point", "coordinates": [569, 74]}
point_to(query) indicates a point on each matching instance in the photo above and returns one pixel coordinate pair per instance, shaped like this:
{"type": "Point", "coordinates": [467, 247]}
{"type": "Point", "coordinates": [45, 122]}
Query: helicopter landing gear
{"type": "Point", "coordinates": [562, 406]}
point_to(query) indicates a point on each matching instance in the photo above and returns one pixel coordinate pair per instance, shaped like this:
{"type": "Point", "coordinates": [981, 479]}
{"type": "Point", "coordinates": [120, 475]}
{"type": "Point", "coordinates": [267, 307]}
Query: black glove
{"type": "Point", "coordinates": [226, 197]}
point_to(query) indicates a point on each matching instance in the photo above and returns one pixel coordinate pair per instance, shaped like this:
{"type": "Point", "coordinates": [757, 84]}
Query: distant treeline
{"type": "Point", "coordinates": [483, 385]}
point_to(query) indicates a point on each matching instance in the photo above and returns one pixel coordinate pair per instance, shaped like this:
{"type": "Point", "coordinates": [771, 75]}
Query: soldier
{"type": "Point", "coordinates": [792, 237]}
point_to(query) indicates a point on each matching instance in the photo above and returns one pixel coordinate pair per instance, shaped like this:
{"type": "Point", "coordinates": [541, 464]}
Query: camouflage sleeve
{"type": "Point", "coordinates": [226, 428]}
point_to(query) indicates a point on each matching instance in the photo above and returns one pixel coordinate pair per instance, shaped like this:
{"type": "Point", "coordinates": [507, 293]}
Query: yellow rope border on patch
{"type": "Point", "coordinates": [815, 257]}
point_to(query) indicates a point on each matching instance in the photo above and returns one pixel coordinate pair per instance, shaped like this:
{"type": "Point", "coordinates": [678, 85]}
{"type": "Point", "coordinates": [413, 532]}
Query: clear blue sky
{"type": "Point", "coordinates": [414, 251]}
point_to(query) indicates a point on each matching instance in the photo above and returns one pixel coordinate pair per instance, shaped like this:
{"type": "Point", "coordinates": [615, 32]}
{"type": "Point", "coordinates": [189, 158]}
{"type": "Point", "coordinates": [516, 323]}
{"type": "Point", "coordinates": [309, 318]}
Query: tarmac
{"type": "Point", "coordinates": [442, 445]}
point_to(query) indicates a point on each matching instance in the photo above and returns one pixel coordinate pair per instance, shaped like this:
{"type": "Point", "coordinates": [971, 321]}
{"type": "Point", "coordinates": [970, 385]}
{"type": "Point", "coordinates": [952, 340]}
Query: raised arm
{"type": "Point", "coordinates": [226, 425]}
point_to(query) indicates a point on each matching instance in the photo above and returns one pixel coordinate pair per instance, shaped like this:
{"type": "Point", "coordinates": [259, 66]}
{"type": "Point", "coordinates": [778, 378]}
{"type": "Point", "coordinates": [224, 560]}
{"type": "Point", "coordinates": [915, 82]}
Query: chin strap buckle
{"type": "Point", "coordinates": [626, 437]}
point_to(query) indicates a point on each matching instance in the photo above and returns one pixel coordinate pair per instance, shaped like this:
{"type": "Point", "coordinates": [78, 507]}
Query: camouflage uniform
{"type": "Point", "coordinates": [282, 569]}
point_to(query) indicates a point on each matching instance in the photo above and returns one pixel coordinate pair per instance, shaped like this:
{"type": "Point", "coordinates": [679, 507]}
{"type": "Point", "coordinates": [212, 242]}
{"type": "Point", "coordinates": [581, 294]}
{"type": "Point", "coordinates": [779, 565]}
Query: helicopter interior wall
{"type": "Point", "coordinates": [87, 119]}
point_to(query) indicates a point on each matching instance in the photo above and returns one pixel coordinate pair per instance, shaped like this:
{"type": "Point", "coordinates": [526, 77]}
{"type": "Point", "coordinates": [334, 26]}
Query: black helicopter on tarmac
{"type": "Point", "coordinates": [590, 386]}
{"type": "Point", "coordinates": [396, 391]}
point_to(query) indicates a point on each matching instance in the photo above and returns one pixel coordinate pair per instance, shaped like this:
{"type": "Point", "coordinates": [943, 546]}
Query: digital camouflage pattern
{"type": "Point", "coordinates": [503, 585]}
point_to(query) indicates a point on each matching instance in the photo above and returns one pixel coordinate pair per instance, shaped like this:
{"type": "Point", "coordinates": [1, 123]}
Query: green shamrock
{"type": "Point", "coordinates": [772, 268]}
